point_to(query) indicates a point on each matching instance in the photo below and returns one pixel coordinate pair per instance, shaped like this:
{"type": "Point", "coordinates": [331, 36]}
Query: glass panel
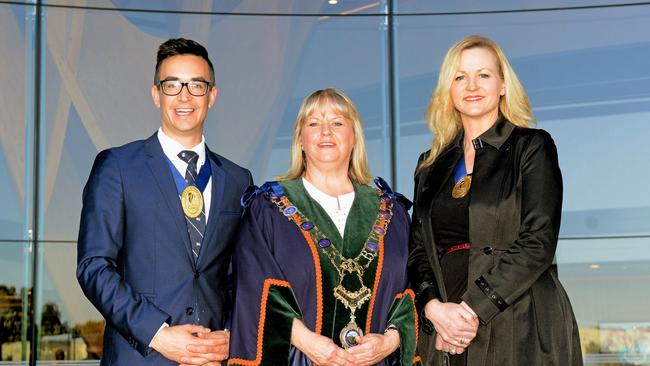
{"type": "Point", "coordinates": [16, 28]}
{"type": "Point", "coordinates": [465, 6]}
{"type": "Point", "coordinates": [586, 78]}
{"type": "Point", "coordinates": [100, 99]}
{"type": "Point", "coordinates": [240, 7]}
{"type": "Point", "coordinates": [70, 327]}
{"type": "Point", "coordinates": [608, 282]}
{"type": "Point", "coordinates": [15, 299]}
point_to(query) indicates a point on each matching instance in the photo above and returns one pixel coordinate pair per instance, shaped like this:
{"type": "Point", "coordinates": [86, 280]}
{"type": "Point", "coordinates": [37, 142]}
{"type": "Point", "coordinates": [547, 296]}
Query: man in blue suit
{"type": "Point", "coordinates": [157, 225]}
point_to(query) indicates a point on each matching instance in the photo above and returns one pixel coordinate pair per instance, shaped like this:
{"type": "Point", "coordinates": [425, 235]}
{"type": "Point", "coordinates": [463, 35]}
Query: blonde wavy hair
{"type": "Point", "coordinates": [442, 117]}
{"type": "Point", "coordinates": [358, 170]}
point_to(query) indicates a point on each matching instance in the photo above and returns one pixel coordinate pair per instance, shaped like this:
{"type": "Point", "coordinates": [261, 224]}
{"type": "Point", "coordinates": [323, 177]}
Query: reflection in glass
{"type": "Point", "coordinates": [262, 75]}
{"type": "Point", "coordinates": [70, 327]}
{"type": "Point", "coordinates": [608, 281]}
{"type": "Point", "coordinates": [14, 76]}
{"type": "Point", "coordinates": [15, 299]}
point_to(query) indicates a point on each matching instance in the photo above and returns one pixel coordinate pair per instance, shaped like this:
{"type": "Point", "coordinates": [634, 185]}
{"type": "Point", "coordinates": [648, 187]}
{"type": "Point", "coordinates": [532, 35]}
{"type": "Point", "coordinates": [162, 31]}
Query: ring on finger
{"type": "Point", "coordinates": [462, 340]}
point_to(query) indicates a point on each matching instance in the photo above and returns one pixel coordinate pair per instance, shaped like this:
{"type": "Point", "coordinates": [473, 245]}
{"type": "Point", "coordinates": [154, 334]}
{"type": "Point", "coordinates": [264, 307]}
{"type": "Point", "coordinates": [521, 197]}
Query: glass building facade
{"type": "Point", "coordinates": [76, 78]}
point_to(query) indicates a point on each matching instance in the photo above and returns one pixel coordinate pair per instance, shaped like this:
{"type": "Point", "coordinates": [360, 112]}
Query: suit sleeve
{"type": "Point", "coordinates": [533, 251]}
{"type": "Point", "coordinates": [101, 237]}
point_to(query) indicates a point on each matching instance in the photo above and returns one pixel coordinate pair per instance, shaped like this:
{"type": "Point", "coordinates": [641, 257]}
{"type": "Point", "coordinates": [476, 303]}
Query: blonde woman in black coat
{"type": "Point", "coordinates": [488, 199]}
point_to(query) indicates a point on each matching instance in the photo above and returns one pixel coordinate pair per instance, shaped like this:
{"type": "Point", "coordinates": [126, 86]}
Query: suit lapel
{"type": "Point", "coordinates": [218, 184]}
{"type": "Point", "coordinates": [162, 174]}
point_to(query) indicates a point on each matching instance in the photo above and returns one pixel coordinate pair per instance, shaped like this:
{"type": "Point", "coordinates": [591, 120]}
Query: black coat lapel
{"type": "Point", "coordinates": [436, 175]}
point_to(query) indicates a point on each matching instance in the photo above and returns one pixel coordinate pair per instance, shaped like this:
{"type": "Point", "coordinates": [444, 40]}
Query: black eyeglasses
{"type": "Point", "coordinates": [197, 88]}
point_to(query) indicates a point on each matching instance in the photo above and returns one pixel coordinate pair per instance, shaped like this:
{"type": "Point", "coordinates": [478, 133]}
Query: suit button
{"type": "Point", "coordinates": [189, 311]}
{"type": "Point", "coordinates": [487, 250]}
{"type": "Point", "coordinates": [197, 274]}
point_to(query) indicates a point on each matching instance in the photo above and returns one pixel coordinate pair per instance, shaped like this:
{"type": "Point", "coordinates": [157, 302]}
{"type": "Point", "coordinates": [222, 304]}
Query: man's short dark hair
{"type": "Point", "coordinates": [181, 46]}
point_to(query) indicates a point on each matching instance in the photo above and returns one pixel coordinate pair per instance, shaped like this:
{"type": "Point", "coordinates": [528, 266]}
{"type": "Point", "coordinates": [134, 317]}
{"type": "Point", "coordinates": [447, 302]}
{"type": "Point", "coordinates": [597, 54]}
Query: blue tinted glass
{"type": "Point", "coordinates": [585, 73]}
{"type": "Point", "coordinates": [586, 80]}
{"type": "Point", "coordinates": [343, 7]}
{"type": "Point", "coordinates": [15, 146]}
{"type": "Point", "coordinates": [468, 6]}
{"type": "Point", "coordinates": [262, 76]}
{"type": "Point", "coordinates": [584, 69]}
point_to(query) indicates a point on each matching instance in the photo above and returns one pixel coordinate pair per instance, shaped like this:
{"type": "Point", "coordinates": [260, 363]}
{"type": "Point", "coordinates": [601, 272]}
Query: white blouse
{"type": "Point", "coordinates": [337, 207]}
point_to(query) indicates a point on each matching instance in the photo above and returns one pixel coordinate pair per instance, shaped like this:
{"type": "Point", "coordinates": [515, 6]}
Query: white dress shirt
{"type": "Point", "coordinates": [171, 148]}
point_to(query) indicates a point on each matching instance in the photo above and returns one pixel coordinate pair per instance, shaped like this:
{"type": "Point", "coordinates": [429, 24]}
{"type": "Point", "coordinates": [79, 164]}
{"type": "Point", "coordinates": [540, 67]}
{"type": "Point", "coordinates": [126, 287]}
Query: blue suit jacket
{"type": "Point", "coordinates": [134, 259]}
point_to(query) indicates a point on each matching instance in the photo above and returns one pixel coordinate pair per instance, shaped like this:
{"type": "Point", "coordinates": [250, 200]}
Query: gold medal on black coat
{"type": "Point", "coordinates": [461, 188]}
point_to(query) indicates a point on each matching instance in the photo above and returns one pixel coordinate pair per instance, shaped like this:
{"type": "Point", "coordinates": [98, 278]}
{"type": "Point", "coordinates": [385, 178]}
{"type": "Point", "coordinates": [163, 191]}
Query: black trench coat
{"type": "Point", "coordinates": [514, 221]}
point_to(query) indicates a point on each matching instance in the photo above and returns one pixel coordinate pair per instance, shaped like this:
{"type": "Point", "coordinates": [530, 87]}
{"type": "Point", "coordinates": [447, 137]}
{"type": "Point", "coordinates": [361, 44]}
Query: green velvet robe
{"type": "Point", "coordinates": [282, 273]}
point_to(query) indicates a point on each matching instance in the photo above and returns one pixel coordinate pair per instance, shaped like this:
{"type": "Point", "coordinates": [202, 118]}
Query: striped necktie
{"type": "Point", "coordinates": [195, 226]}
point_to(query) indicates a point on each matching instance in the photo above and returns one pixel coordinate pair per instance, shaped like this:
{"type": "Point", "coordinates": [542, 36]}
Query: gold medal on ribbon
{"type": "Point", "coordinates": [461, 188]}
{"type": "Point", "coordinates": [192, 201]}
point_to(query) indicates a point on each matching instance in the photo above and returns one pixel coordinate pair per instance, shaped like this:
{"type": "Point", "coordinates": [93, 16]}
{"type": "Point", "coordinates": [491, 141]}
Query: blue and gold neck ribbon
{"type": "Point", "coordinates": [461, 170]}
{"type": "Point", "coordinates": [201, 180]}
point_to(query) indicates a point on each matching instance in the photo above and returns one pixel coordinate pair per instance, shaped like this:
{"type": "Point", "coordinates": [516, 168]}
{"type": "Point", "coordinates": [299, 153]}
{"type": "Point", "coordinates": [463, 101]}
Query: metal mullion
{"type": "Point", "coordinates": [37, 63]}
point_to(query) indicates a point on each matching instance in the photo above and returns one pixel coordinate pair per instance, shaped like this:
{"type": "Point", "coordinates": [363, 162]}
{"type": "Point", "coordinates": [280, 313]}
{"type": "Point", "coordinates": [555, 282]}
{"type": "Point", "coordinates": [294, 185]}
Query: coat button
{"type": "Point", "coordinates": [487, 250]}
{"type": "Point", "coordinates": [189, 311]}
{"type": "Point", "coordinates": [197, 274]}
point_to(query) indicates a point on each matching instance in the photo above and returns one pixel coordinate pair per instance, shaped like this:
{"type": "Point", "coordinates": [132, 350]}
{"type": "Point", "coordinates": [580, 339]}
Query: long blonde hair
{"type": "Point", "coordinates": [442, 117]}
{"type": "Point", "coordinates": [358, 170]}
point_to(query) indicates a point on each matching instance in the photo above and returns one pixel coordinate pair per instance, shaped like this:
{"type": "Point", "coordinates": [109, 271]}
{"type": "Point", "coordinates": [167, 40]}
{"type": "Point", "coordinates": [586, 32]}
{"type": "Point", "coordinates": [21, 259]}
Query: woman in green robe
{"type": "Point", "coordinates": [320, 262]}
